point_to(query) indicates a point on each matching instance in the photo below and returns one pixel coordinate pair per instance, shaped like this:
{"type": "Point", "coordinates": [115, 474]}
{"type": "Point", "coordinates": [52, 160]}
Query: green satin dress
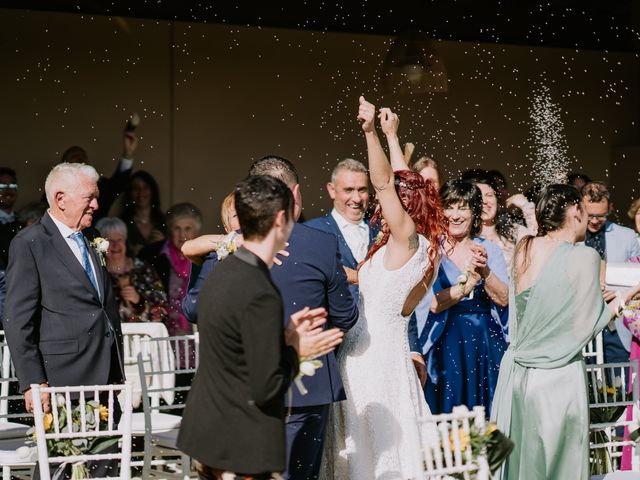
{"type": "Point", "coordinates": [541, 399]}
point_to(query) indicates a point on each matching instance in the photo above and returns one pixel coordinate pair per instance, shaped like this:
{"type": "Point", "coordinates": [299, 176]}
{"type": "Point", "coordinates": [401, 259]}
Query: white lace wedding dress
{"type": "Point", "coordinates": [375, 433]}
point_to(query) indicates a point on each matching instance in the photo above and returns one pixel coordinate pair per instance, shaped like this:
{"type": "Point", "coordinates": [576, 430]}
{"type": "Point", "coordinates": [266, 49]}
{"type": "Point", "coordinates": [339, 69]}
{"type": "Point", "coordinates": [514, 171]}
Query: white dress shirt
{"type": "Point", "coordinates": [356, 235]}
{"type": "Point", "coordinates": [66, 232]}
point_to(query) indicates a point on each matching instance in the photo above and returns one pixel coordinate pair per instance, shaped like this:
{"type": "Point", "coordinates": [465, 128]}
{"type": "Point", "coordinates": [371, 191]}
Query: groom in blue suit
{"type": "Point", "coordinates": [312, 275]}
{"type": "Point", "coordinates": [349, 190]}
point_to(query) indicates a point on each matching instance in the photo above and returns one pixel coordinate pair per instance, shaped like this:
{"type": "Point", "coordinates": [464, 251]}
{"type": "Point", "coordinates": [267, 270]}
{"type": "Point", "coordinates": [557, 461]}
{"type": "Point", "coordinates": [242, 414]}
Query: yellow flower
{"type": "Point", "coordinates": [464, 438]}
{"type": "Point", "coordinates": [104, 413]}
{"type": "Point", "coordinates": [492, 427]}
{"type": "Point", "coordinates": [48, 421]}
{"type": "Point", "coordinates": [612, 390]}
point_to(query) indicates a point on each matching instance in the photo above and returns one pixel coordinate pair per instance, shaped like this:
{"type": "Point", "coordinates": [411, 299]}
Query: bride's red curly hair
{"type": "Point", "coordinates": [421, 201]}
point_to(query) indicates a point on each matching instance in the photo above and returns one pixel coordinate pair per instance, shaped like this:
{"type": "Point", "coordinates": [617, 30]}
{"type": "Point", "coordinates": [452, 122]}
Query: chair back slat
{"type": "Point", "coordinates": [443, 451]}
{"type": "Point", "coordinates": [91, 425]}
{"type": "Point", "coordinates": [11, 401]}
{"type": "Point", "coordinates": [613, 385]}
{"type": "Point", "coordinates": [161, 357]}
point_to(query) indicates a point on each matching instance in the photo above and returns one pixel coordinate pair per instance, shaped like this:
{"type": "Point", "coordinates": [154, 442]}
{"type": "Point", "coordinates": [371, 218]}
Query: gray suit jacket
{"type": "Point", "coordinates": [59, 330]}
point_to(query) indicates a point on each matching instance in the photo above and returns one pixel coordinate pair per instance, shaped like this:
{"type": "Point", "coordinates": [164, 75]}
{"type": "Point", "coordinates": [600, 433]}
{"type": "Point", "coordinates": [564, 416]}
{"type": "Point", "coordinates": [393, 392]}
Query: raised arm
{"type": "Point", "coordinates": [196, 249]}
{"type": "Point", "coordinates": [403, 241]}
{"type": "Point", "coordinates": [389, 123]}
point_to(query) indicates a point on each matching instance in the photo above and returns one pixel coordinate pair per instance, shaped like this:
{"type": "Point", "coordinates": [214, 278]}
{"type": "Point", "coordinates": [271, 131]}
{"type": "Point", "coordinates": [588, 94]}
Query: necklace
{"type": "Point", "coordinates": [142, 221]}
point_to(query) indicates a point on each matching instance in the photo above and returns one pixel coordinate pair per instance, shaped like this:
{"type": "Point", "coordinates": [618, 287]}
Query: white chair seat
{"type": "Point", "coordinates": [12, 430]}
{"type": "Point", "coordinates": [167, 439]}
{"type": "Point", "coordinates": [22, 455]}
{"type": "Point", "coordinates": [160, 422]}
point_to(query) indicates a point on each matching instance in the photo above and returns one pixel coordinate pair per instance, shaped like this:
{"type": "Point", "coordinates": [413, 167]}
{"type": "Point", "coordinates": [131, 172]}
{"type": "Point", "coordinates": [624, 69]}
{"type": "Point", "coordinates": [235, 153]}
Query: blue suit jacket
{"type": "Point", "coordinates": [190, 300]}
{"type": "Point", "coordinates": [328, 224]}
{"type": "Point", "coordinates": [312, 276]}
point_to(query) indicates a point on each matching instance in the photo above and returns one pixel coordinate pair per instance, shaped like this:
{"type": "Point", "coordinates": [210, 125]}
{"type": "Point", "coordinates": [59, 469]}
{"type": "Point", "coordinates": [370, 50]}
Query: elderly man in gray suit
{"type": "Point", "coordinates": [61, 321]}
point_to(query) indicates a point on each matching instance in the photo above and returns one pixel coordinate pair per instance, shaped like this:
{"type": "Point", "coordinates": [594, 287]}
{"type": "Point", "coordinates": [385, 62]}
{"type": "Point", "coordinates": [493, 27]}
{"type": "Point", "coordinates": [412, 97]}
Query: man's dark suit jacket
{"type": "Point", "coordinates": [58, 329]}
{"type": "Point", "coordinates": [234, 417]}
{"type": "Point", "coordinates": [328, 224]}
{"type": "Point", "coordinates": [312, 276]}
{"type": "Point", "coordinates": [197, 276]}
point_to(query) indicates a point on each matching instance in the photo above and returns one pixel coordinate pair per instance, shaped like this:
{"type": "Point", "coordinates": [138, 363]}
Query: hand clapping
{"type": "Point", "coordinates": [479, 260]}
{"type": "Point", "coordinates": [305, 333]}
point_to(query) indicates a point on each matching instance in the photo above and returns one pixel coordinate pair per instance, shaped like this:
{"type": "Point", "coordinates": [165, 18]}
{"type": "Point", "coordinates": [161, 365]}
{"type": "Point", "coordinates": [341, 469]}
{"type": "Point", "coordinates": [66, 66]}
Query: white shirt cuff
{"type": "Point", "coordinates": [125, 164]}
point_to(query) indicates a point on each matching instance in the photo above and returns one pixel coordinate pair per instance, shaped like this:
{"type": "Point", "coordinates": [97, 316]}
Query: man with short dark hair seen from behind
{"type": "Point", "coordinates": [246, 363]}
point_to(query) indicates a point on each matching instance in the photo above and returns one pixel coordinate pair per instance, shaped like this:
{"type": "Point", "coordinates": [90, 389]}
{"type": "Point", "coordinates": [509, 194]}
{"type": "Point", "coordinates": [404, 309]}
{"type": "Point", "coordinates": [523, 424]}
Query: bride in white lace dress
{"type": "Point", "coordinates": [375, 433]}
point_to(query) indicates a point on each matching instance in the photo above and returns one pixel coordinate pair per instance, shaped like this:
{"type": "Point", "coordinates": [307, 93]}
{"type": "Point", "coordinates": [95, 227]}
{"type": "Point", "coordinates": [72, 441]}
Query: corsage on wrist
{"type": "Point", "coordinates": [463, 279]}
{"type": "Point", "coordinates": [227, 246]}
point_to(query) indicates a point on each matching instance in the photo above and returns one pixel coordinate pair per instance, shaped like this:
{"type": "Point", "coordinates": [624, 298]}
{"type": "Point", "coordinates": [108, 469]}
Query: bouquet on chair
{"type": "Point", "coordinates": [487, 448]}
{"type": "Point", "coordinates": [604, 394]}
{"type": "Point", "coordinates": [492, 443]}
{"type": "Point", "coordinates": [58, 421]}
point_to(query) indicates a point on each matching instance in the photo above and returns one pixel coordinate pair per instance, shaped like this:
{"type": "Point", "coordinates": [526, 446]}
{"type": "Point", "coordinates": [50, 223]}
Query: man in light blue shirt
{"type": "Point", "coordinates": [615, 244]}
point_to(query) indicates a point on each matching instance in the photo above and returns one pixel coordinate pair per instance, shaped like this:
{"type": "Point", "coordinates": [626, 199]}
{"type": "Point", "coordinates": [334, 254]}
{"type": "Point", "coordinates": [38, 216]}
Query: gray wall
{"type": "Point", "coordinates": [213, 98]}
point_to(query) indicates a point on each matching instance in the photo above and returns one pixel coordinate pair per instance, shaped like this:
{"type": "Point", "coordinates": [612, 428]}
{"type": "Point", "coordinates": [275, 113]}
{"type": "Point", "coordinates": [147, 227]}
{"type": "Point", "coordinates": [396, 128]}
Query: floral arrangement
{"type": "Point", "coordinates": [227, 246]}
{"type": "Point", "coordinates": [93, 412]}
{"type": "Point", "coordinates": [101, 245]}
{"type": "Point", "coordinates": [495, 444]}
{"type": "Point", "coordinates": [491, 442]}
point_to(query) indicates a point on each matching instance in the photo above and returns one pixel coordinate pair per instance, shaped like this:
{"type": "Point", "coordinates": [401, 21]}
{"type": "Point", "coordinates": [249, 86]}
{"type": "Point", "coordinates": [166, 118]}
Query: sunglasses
{"type": "Point", "coordinates": [8, 186]}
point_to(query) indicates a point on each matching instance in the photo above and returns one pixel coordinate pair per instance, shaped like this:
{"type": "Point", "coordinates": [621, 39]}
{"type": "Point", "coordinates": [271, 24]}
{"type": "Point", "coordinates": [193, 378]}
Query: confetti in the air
{"type": "Point", "coordinates": [548, 143]}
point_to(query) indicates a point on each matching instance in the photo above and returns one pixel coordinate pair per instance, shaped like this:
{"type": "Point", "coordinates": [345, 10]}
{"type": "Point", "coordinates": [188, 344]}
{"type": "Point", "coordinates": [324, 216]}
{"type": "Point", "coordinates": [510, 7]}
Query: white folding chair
{"type": "Point", "coordinates": [615, 375]}
{"type": "Point", "coordinates": [133, 334]}
{"type": "Point", "coordinates": [161, 426]}
{"type": "Point", "coordinates": [593, 352]}
{"type": "Point", "coordinates": [64, 400]}
{"type": "Point", "coordinates": [444, 455]}
{"type": "Point", "coordinates": [17, 454]}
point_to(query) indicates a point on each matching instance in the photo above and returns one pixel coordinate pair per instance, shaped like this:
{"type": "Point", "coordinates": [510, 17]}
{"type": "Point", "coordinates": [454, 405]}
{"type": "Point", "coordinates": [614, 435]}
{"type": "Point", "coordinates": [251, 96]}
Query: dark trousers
{"type": "Point", "coordinates": [306, 428]}
{"type": "Point", "coordinates": [614, 351]}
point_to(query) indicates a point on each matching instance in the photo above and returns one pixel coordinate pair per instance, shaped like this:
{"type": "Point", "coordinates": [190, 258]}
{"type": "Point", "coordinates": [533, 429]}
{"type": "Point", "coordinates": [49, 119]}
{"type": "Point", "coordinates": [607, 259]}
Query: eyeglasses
{"type": "Point", "coordinates": [8, 186]}
{"type": "Point", "coordinates": [598, 217]}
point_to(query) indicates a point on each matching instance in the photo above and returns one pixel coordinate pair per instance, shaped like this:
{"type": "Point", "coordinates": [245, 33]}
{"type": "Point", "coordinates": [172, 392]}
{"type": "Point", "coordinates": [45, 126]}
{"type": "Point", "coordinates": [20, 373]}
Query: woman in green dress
{"type": "Point", "coordinates": [556, 308]}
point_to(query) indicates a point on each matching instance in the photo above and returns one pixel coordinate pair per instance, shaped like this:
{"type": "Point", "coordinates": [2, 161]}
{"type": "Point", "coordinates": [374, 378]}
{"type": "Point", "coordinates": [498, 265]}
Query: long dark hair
{"type": "Point", "coordinates": [129, 207]}
{"type": "Point", "coordinates": [551, 214]}
{"type": "Point", "coordinates": [461, 191]}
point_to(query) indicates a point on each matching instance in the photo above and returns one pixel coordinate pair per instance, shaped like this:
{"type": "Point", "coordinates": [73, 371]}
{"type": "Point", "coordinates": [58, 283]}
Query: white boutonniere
{"type": "Point", "coordinates": [227, 246]}
{"type": "Point", "coordinates": [101, 245]}
{"type": "Point", "coordinates": [308, 368]}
